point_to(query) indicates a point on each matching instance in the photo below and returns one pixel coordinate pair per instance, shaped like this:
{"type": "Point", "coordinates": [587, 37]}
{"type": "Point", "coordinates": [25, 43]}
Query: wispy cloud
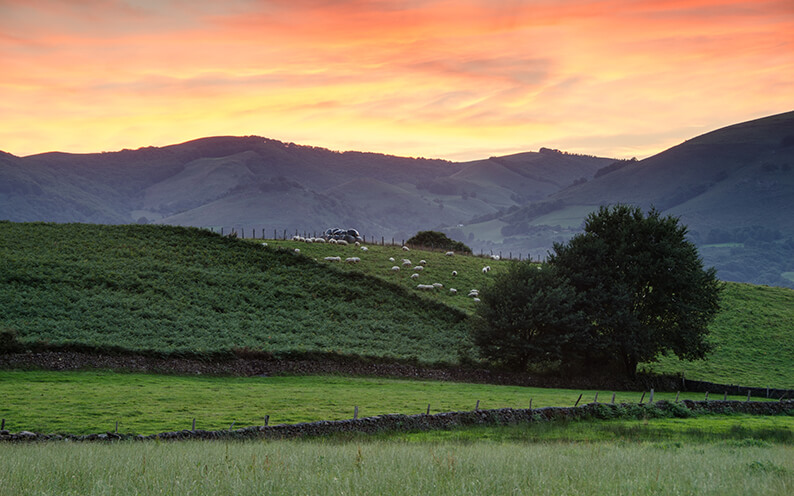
{"type": "Point", "coordinates": [423, 77]}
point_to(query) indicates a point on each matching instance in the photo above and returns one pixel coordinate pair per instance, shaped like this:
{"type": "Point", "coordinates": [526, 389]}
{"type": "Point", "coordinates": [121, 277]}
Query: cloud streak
{"type": "Point", "coordinates": [460, 79]}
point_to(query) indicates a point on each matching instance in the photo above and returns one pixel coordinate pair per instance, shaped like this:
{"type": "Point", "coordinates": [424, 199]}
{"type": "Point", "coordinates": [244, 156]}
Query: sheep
{"type": "Point", "coordinates": [495, 257]}
{"type": "Point", "coordinates": [364, 248]}
{"type": "Point", "coordinates": [418, 268]}
{"type": "Point", "coordinates": [341, 242]}
{"type": "Point", "coordinates": [319, 240]}
{"type": "Point", "coordinates": [486, 269]}
{"type": "Point", "coordinates": [425, 286]}
{"type": "Point", "coordinates": [475, 300]}
{"type": "Point", "coordinates": [264, 244]}
{"type": "Point", "coordinates": [353, 260]}
{"type": "Point", "coordinates": [391, 259]}
{"type": "Point", "coordinates": [422, 262]}
{"type": "Point", "coordinates": [454, 273]}
{"type": "Point", "coordinates": [438, 285]}
{"type": "Point", "coordinates": [297, 250]}
{"type": "Point", "coordinates": [453, 291]}
{"type": "Point", "coordinates": [406, 263]}
{"type": "Point", "coordinates": [414, 275]}
{"type": "Point", "coordinates": [449, 253]}
{"type": "Point", "coordinates": [395, 269]}
{"type": "Point", "coordinates": [358, 243]}
{"type": "Point", "coordinates": [332, 241]}
{"type": "Point", "coordinates": [474, 292]}
{"type": "Point", "coordinates": [405, 248]}
{"type": "Point", "coordinates": [297, 238]}
{"type": "Point", "coordinates": [333, 259]}
{"type": "Point", "coordinates": [308, 240]}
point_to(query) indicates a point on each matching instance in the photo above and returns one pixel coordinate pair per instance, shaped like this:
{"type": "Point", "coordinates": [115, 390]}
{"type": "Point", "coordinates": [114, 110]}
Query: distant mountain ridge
{"type": "Point", "coordinates": [733, 187]}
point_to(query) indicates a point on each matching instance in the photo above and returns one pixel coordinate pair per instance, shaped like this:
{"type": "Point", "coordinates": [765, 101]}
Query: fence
{"type": "Point", "coordinates": [286, 234]}
{"type": "Point", "coordinates": [448, 420]}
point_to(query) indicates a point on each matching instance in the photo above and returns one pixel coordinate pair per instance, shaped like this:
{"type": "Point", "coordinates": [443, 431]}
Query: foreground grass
{"type": "Point", "coordinates": [386, 468]}
{"type": "Point", "coordinates": [91, 402]}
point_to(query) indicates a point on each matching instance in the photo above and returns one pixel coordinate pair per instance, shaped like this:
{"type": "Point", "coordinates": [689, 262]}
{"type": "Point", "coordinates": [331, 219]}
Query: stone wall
{"type": "Point", "coordinates": [438, 421]}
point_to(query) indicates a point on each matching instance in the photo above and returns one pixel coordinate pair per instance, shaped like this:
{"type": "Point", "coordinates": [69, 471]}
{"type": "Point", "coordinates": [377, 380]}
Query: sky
{"type": "Point", "coordinates": [459, 80]}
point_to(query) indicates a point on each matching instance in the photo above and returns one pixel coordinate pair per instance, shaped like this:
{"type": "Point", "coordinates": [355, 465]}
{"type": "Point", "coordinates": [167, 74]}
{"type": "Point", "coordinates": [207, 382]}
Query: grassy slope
{"type": "Point", "coordinates": [163, 288]}
{"type": "Point", "coordinates": [166, 289]}
{"type": "Point", "coordinates": [85, 402]}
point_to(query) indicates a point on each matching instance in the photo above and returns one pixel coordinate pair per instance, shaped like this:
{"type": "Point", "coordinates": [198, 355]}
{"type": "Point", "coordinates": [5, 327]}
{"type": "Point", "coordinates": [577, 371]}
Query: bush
{"type": "Point", "coordinates": [439, 240]}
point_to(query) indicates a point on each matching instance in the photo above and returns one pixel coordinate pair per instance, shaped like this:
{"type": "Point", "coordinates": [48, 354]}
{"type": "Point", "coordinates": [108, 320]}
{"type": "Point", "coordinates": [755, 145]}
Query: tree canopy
{"type": "Point", "coordinates": [637, 280]}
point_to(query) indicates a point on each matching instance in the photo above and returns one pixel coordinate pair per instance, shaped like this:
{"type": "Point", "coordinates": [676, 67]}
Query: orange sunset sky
{"type": "Point", "coordinates": [448, 79]}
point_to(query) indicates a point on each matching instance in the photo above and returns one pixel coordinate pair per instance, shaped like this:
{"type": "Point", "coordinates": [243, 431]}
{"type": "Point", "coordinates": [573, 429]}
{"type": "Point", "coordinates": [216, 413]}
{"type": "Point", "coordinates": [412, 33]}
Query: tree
{"type": "Point", "coordinates": [435, 239]}
{"type": "Point", "coordinates": [643, 286]}
{"type": "Point", "coordinates": [529, 312]}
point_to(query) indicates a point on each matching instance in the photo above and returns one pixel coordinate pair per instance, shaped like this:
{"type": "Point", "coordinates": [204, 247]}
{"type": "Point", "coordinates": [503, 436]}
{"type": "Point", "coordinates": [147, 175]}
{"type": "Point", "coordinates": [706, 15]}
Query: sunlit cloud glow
{"type": "Point", "coordinates": [449, 79]}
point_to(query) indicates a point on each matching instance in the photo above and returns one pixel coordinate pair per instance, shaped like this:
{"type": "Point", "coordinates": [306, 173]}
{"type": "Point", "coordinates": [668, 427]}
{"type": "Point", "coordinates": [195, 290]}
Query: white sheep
{"type": "Point", "coordinates": [364, 248]}
{"type": "Point", "coordinates": [358, 243]}
{"type": "Point", "coordinates": [333, 241]}
{"type": "Point", "coordinates": [454, 273]}
{"type": "Point", "coordinates": [308, 240]}
{"type": "Point", "coordinates": [341, 242]}
{"type": "Point", "coordinates": [297, 238]}
{"type": "Point", "coordinates": [319, 240]}
{"type": "Point", "coordinates": [264, 244]}
{"type": "Point", "coordinates": [486, 269]}
{"type": "Point", "coordinates": [422, 262]}
{"type": "Point", "coordinates": [405, 248]}
{"type": "Point", "coordinates": [449, 253]}
{"type": "Point", "coordinates": [438, 285]}
{"type": "Point", "coordinates": [391, 259]}
{"type": "Point", "coordinates": [297, 250]}
{"type": "Point", "coordinates": [474, 292]}
{"type": "Point", "coordinates": [418, 268]}
{"type": "Point", "coordinates": [425, 286]}
{"type": "Point", "coordinates": [353, 260]}
{"type": "Point", "coordinates": [395, 269]}
{"type": "Point", "coordinates": [453, 291]}
{"type": "Point", "coordinates": [475, 300]}
{"type": "Point", "coordinates": [414, 276]}
{"type": "Point", "coordinates": [495, 257]}
{"type": "Point", "coordinates": [333, 259]}
{"type": "Point", "coordinates": [406, 263]}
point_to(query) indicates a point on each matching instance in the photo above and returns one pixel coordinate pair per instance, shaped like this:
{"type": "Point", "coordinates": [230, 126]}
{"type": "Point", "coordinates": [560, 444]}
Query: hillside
{"type": "Point", "coordinates": [161, 289]}
{"type": "Point", "coordinates": [258, 182]}
{"type": "Point", "coordinates": [733, 188]}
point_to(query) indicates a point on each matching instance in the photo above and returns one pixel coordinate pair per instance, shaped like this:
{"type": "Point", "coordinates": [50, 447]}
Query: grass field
{"type": "Point", "coordinates": [625, 467]}
{"type": "Point", "coordinates": [91, 402]}
{"type": "Point", "coordinates": [162, 289]}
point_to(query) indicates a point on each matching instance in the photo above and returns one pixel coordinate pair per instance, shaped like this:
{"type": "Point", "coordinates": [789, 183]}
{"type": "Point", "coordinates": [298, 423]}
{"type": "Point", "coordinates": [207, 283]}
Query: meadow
{"type": "Point", "coordinates": [167, 290]}
{"type": "Point", "coordinates": [400, 467]}
{"type": "Point", "coordinates": [93, 401]}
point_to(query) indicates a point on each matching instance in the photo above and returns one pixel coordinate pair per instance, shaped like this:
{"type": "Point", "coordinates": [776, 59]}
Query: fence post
{"type": "Point", "coordinates": [221, 230]}
{"type": "Point", "coordinates": [707, 396]}
{"type": "Point", "coordinates": [194, 425]}
{"type": "Point", "coordinates": [267, 420]}
{"type": "Point", "coordinates": [577, 401]}
{"type": "Point", "coordinates": [650, 400]}
{"type": "Point", "coordinates": [595, 400]}
{"type": "Point", "coordinates": [643, 397]}
{"type": "Point", "coordinates": [117, 427]}
{"type": "Point", "coordinates": [748, 394]}
{"type": "Point", "coordinates": [725, 398]}
{"type": "Point", "coordinates": [355, 413]}
{"type": "Point", "coordinates": [3, 425]}
{"type": "Point", "coordinates": [530, 403]}
{"type": "Point", "coordinates": [613, 398]}
{"type": "Point", "coordinates": [477, 406]}
{"type": "Point", "coordinates": [676, 396]}
{"type": "Point", "coordinates": [428, 408]}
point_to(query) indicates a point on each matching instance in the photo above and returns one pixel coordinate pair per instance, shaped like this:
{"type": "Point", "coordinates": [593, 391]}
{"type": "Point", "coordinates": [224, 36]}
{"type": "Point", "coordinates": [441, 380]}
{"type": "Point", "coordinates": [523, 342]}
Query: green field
{"type": "Point", "coordinates": [162, 290]}
{"type": "Point", "coordinates": [376, 467]}
{"type": "Point", "coordinates": [90, 402]}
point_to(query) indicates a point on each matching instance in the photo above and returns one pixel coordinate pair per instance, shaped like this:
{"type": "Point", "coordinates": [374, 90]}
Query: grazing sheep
{"type": "Point", "coordinates": [297, 250]}
{"type": "Point", "coordinates": [364, 248]}
{"type": "Point", "coordinates": [341, 242]}
{"type": "Point", "coordinates": [486, 269]}
{"type": "Point", "coordinates": [319, 240]}
{"type": "Point", "coordinates": [495, 257]}
{"type": "Point", "coordinates": [453, 291]}
{"type": "Point", "coordinates": [297, 238]}
{"type": "Point", "coordinates": [395, 269]}
{"type": "Point", "coordinates": [405, 248]}
{"type": "Point", "coordinates": [391, 259]}
{"type": "Point", "coordinates": [406, 263]}
{"type": "Point", "coordinates": [333, 259]}
{"type": "Point", "coordinates": [474, 292]}
{"type": "Point", "coordinates": [438, 285]}
{"type": "Point", "coordinates": [353, 260]}
{"type": "Point", "coordinates": [454, 273]}
{"type": "Point", "coordinates": [476, 300]}
{"type": "Point", "coordinates": [418, 268]}
{"type": "Point", "coordinates": [414, 276]}
{"type": "Point", "coordinates": [449, 253]}
{"type": "Point", "coordinates": [332, 241]}
{"type": "Point", "coordinates": [358, 243]}
{"type": "Point", "coordinates": [264, 244]}
{"type": "Point", "coordinates": [422, 262]}
{"type": "Point", "coordinates": [425, 286]}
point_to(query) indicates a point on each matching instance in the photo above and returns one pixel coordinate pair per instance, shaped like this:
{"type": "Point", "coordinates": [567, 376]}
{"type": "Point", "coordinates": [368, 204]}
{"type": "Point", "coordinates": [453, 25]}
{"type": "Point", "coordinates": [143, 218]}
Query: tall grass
{"type": "Point", "coordinates": [390, 468]}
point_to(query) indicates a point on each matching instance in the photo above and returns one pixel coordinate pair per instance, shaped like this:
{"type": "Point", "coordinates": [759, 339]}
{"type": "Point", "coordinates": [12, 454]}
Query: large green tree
{"type": "Point", "coordinates": [643, 287]}
{"type": "Point", "coordinates": [528, 313]}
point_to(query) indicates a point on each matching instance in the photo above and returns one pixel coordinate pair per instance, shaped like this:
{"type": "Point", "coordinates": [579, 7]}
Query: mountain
{"type": "Point", "coordinates": [733, 188]}
{"type": "Point", "coordinates": [256, 182]}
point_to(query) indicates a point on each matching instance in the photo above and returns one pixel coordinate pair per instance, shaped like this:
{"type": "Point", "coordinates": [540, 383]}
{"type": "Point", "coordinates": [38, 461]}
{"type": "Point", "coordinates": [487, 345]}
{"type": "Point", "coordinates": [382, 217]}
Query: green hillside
{"type": "Point", "coordinates": [185, 290]}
